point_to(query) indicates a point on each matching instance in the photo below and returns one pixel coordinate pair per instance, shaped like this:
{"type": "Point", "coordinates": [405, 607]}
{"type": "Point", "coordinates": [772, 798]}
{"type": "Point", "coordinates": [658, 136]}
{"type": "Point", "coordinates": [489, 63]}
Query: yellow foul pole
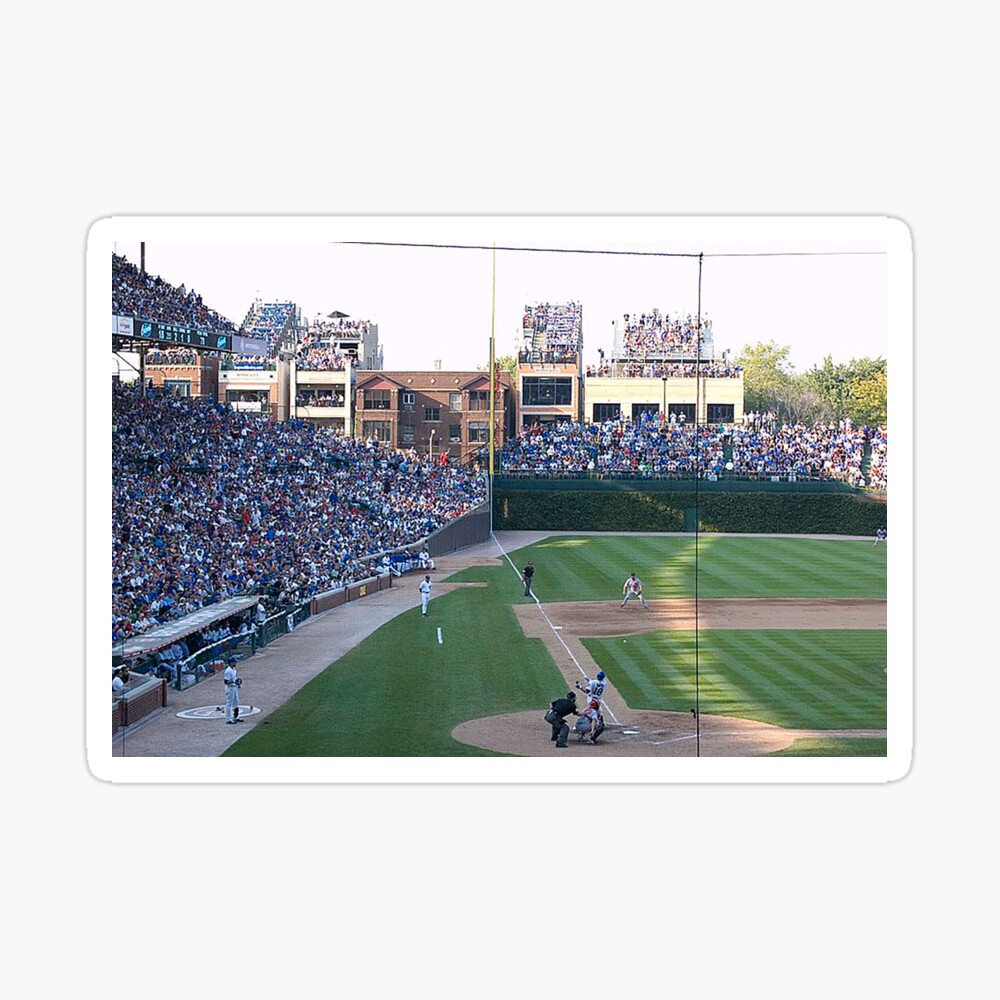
{"type": "Point", "coordinates": [493, 315]}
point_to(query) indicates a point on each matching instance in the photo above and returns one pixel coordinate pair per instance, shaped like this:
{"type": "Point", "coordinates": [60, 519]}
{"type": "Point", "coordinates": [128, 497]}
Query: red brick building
{"type": "Point", "coordinates": [435, 411]}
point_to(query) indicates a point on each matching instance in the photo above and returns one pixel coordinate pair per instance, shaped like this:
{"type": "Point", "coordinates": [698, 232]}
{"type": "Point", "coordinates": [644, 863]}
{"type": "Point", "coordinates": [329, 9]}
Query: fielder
{"type": "Point", "coordinates": [232, 682]}
{"type": "Point", "coordinates": [425, 595]}
{"type": "Point", "coordinates": [880, 536]}
{"type": "Point", "coordinates": [633, 588]}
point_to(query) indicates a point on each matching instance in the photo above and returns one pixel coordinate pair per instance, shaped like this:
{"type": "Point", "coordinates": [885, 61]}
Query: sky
{"type": "Point", "coordinates": [434, 304]}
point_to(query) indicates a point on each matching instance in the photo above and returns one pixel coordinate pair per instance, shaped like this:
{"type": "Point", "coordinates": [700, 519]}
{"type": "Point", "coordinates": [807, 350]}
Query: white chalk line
{"type": "Point", "coordinates": [440, 640]}
{"type": "Point", "coordinates": [538, 604]}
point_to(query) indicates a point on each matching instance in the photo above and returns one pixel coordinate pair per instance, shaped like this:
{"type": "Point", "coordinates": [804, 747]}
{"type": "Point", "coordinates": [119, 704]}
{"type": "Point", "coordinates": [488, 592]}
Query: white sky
{"type": "Point", "coordinates": [436, 303]}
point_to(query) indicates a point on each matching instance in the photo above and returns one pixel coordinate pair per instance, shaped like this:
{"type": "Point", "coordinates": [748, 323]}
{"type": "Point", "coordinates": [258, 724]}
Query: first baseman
{"type": "Point", "coordinates": [633, 588]}
{"type": "Point", "coordinates": [232, 682]}
{"type": "Point", "coordinates": [425, 595]}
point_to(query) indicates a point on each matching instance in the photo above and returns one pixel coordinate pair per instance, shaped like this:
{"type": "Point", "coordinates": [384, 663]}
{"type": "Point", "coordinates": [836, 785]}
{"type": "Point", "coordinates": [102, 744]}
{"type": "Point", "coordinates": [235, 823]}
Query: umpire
{"type": "Point", "coordinates": [556, 718]}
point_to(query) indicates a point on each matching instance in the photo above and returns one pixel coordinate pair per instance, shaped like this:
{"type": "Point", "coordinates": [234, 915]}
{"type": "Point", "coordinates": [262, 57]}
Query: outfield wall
{"type": "Point", "coordinates": [771, 508]}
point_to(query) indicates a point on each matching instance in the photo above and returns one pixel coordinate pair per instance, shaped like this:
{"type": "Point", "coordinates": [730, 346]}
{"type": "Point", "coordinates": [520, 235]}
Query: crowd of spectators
{"type": "Point", "coordinates": [313, 358]}
{"type": "Point", "coordinates": [759, 448]}
{"type": "Point", "coordinates": [663, 369]}
{"type": "Point", "coordinates": [147, 296]}
{"type": "Point", "coordinates": [271, 322]}
{"type": "Point", "coordinates": [250, 362]}
{"type": "Point", "coordinates": [324, 329]}
{"type": "Point", "coordinates": [652, 334]}
{"type": "Point", "coordinates": [209, 503]}
{"type": "Point", "coordinates": [172, 356]}
{"type": "Point", "coordinates": [319, 397]}
{"type": "Point", "coordinates": [878, 466]}
{"type": "Point", "coordinates": [553, 332]}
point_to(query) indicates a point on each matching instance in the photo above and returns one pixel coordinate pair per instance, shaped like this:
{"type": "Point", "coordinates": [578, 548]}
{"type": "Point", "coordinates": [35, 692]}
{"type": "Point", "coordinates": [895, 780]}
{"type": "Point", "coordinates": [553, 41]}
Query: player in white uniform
{"type": "Point", "coordinates": [880, 536]}
{"type": "Point", "coordinates": [595, 688]}
{"type": "Point", "coordinates": [633, 588]}
{"type": "Point", "coordinates": [425, 595]}
{"type": "Point", "coordinates": [232, 682]}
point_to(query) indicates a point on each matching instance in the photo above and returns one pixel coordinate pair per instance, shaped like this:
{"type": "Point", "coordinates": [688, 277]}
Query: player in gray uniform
{"type": "Point", "coordinates": [425, 594]}
{"type": "Point", "coordinates": [633, 588]}
{"type": "Point", "coordinates": [595, 688]}
{"type": "Point", "coordinates": [880, 536]}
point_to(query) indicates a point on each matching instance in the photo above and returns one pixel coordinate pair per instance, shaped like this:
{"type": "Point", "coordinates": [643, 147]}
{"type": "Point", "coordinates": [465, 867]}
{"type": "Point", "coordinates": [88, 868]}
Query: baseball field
{"type": "Point", "coordinates": [778, 642]}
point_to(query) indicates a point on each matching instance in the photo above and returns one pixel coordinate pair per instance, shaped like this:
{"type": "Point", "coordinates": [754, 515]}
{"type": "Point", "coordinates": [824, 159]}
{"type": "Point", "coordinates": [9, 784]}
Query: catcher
{"type": "Point", "coordinates": [633, 588]}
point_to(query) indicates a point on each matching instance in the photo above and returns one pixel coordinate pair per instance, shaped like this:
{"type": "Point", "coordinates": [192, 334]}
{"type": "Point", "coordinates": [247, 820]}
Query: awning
{"type": "Point", "coordinates": [166, 635]}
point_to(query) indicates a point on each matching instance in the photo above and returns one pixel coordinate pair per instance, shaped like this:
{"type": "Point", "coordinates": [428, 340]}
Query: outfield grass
{"type": "Point", "coordinates": [581, 568]}
{"type": "Point", "coordinates": [796, 679]}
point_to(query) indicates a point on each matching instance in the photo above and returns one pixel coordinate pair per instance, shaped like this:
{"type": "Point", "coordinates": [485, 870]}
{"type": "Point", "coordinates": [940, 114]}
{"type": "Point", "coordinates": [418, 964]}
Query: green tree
{"type": "Point", "coordinates": [767, 375]}
{"type": "Point", "coordinates": [507, 362]}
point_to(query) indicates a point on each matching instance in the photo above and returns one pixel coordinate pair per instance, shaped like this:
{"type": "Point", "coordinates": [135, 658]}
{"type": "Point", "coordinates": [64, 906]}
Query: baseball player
{"type": "Point", "coordinates": [593, 713]}
{"type": "Point", "coordinates": [880, 536]}
{"type": "Point", "coordinates": [232, 682]}
{"type": "Point", "coordinates": [633, 588]}
{"type": "Point", "coordinates": [425, 595]}
{"type": "Point", "coordinates": [594, 688]}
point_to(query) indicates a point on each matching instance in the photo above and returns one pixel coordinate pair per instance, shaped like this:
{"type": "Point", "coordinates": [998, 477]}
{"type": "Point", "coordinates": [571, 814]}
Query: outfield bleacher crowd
{"type": "Point", "coordinates": [147, 296]}
{"type": "Point", "coordinates": [209, 503]}
{"type": "Point", "coordinates": [172, 356]}
{"type": "Point", "coordinates": [554, 331]}
{"type": "Point", "coordinates": [313, 358]}
{"type": "Point", "coordinates": [757, 449]}
{"type": "Point", "coordinates": [878, 471]}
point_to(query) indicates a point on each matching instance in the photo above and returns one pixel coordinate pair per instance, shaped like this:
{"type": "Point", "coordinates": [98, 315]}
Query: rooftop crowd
{"type": "Point", "coordinates": [209, 503]}
{"type": "Point", "coordinates": [654, 333]}
{"type": "Point", "coordinates": [758, 448]}
{"type": "Point", "coordinates": [663, 369]}
{"type": "Point", "coordinates": [147, 296]}
{"type": "Point", "coordinates": [554, 332]}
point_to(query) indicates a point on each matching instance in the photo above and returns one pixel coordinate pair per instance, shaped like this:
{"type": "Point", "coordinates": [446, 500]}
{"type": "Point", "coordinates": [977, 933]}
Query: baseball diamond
{"type": "Point", "coordinates": [789, 633]}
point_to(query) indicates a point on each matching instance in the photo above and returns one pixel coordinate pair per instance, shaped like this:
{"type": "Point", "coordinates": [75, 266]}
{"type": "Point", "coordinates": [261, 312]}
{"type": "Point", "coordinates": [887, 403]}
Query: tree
{"type": "Point", "coordinates": [767, 375]}
{"type": "Point", "coordinates": [507, 362]}
{"type": "Point", "coordinates": [868, 399]}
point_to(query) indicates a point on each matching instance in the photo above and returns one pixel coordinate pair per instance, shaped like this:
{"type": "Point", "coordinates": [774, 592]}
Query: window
{"type": "Point", "coordinates": [177, 387]}
{"type": "Point", "coordinates": [606, 411]}
{"type": "Point", "coordinates": [720, 413]}
{"type": "Point", "coordinates": [455, 402]}
{"type": "Point", "coordinates": [479, 400]}
{"type": "Point", "coordinates": [677, 410]}
{"type": "Point", "coordinates": [378, 399]}
{"type": "Point", "coordinates": [640, 409]}
{"type": "Point", "coordinates": [381, 429]}
{"type": "Point", "coordinates": [432, 414]}
{"type": "Point", "coordinates": [407, 433]}
{"type": "Point", "coordinates": [479, 432]}
{"type": "Point", "coordinates": [549, 391]}
{"type": "Point", "coordinates": [409, 398]}
{"type": "Point", "coordinates": [455, 433]}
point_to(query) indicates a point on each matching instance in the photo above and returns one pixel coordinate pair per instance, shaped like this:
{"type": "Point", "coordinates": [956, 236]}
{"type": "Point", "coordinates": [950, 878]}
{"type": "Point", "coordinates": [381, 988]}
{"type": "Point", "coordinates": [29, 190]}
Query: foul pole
{"type": "Point", "coordinates": [493, 417]}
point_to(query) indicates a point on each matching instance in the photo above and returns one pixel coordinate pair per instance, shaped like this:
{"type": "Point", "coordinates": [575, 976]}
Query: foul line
{"type": "Point", "coordinates": [538, 604]}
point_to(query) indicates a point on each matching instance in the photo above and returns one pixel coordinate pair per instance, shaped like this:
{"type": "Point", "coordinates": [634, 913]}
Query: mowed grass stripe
{"type": "Point", "coordinates": [593, 569]}
{"type": "Point", "coordinates": [761, 675]}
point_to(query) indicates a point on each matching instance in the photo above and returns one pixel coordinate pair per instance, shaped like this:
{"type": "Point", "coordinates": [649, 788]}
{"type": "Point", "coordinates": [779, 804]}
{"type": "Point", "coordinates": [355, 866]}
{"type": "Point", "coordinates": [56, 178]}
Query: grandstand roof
{"type": "Point", "coordinates": [171, 632]}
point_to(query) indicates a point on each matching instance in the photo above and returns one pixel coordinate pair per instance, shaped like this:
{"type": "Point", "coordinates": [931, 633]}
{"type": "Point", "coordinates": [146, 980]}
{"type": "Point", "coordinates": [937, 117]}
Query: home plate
{"type": "Point", "coordinates": [215, 712]}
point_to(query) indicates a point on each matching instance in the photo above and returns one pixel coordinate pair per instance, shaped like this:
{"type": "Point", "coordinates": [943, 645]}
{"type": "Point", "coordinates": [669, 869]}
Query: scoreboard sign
{"type": "Point", "coordinates": [172, 333]}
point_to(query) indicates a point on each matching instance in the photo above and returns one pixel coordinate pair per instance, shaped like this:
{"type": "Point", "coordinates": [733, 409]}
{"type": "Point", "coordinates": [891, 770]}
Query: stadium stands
{"type": "Point", "coordinates": [209, 503]}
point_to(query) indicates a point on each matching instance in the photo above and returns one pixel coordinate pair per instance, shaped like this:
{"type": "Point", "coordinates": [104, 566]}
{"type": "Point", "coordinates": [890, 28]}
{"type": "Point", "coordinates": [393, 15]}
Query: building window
{"type": "Point", "coordinates": [720, 413]}
{"type": "Point", "coordinates": [432, 414]}
{"type": "Point", "coordinates": [378, 399]}
{"type": "Point", "coordinates": [409, 398]}
{"type": "Point", "coordinates": [606, 411]}
{"type": "Point", "coordinates": [547, 391]}
{"type": "Point", "coordinates": [407, 433]}
{"type": "Point", "coordinates": [639, 410]}
{"type": "Point", "coordinates": [381, 429]}
{"type": "Point", "coordinates": [177, 387]}
{"type": "Point", "coordinates": [455, 433]}
{"type": "Point", "coordinates": [455, 402]}
{"type": "Point", "coordinates": [479, 400]}
{"type": "Point", "coordinates": [479, 432]}
{"type": "Point", "coordinates": [677, 410]}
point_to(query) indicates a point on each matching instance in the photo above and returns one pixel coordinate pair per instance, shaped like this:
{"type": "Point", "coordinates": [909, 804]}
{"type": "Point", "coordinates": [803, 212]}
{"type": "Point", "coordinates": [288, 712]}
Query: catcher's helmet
{"type": "Point", "coordinates": [594, 703]}
{"type": "Point", "coordinates": [601, 675]}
